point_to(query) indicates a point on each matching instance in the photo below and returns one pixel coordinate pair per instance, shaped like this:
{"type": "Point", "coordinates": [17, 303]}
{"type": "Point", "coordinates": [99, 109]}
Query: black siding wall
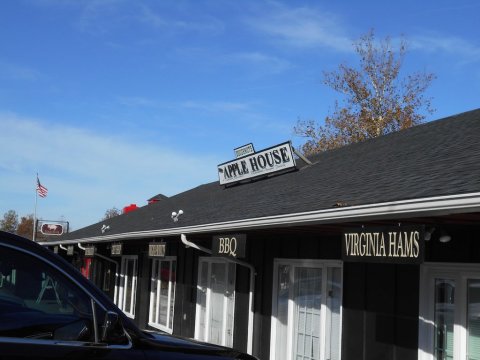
{"type": "Point", "coordinates": [380, 311]}
{"type": "Point", "coordinates": [263, 250]}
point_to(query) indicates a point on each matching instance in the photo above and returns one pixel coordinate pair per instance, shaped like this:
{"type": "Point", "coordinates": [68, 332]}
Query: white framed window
{"type": "Point", "coordinates": [449, 318]}
{"type": "Point", "coordinates": [215, 301]}
{"type": "Point", "coordinates": [306, 310]}
{"type": "Point", "coordinates": [162, 293]}
{"type": "Point", "coordinates": [127, 288]}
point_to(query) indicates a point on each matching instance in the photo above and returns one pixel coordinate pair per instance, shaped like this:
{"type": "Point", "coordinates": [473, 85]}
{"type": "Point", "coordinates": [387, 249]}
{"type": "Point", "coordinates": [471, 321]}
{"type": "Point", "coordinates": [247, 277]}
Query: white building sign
{"type": "Point", "coordinates": [271, 160]}
{"type": "Point", "coordinates": [51, 229]}
{"type": "Point", "coordinates": [244, 150]}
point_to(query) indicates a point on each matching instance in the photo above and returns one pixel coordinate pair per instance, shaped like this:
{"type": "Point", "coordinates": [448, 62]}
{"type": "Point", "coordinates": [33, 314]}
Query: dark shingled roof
{"type": "Point", "coordinates": [437, 158]}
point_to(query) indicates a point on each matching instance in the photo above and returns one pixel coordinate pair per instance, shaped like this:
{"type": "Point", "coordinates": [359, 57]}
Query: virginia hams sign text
{"type": "Point", "coordinates": [396, 245]}
{"type": "Point", "coordinates": [271, 160]}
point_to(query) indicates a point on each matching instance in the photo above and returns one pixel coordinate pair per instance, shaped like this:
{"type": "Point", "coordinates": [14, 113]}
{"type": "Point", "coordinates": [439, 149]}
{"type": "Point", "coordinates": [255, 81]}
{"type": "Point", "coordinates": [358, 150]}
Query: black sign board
{"type": "Point", "coordinates": [232, 246]}
{"type": "Point", "coordinates": [70, 250]}
{"type": "Point", "coordinates": [394, 245]}
{"type": "Point", "coordinates": [116, 250]}
{"type": "Point", "coordinates": [90, 251]}
{"type": "Point", "coordinates": [156, 250]}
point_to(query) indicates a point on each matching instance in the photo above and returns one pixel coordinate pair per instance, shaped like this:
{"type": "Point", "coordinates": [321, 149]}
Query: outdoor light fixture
{"type": "Point", "coordinates": [176, 215]}
{"type": "Point", "coordinates": [428, 233]}
{"type": "Point", "coordinates": [444, 237]}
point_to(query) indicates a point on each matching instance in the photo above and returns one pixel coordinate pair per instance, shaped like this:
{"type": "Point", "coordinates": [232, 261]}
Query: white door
{"type": "Point", "coordinates": [215, 301]}
{"type": "Point", "coordinates": [449, 312]}
{"type": "Point", "coordinates": [127, 288]}
{"type": "Point", "coordinates": [306, 311]}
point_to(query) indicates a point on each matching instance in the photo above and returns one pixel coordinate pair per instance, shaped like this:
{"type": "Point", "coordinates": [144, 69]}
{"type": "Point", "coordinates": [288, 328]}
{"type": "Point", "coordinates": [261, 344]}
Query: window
{"type": "Point", "coordinates": [162, 293]}
{"type": "Point", "coordinates": [38, 302]}
{"type": "Point", "coordinates": [306, 311]}
{"type": "Point", "coordinates": [215, 301]}
{"type": "Point", "coordinates": [449, 312]}
{"type": "Point", "coordinates": [128, 285]}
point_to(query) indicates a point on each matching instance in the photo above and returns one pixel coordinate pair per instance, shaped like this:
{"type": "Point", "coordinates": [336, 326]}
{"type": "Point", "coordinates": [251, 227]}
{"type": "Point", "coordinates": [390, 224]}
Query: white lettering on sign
{"type": "Point", "coordinates": [244, 150]}
{"type": "Point", "coordinates": [116, 250]}
{"type": "Point", "coordinates": [90, 251]}
{"type": "Point", "coordinates": [156, 250]}
{"type": "Point", "coordinates": [228, 246]}
{"type": "Point", "coordinates": [386, 245]}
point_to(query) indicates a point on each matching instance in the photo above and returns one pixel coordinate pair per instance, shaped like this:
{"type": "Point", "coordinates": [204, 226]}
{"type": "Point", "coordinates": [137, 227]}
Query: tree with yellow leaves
{"type": "Point", "coordinates": [376, 100]}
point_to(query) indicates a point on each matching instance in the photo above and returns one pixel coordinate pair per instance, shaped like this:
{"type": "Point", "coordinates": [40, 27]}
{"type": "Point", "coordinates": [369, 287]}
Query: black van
{"type": "Point", "coordinates": [48, 310]}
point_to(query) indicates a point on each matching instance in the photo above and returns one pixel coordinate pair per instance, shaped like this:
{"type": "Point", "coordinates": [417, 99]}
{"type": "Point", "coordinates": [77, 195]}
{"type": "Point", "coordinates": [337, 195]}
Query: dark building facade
{"type": "Point", "coordinates": [365, 252]}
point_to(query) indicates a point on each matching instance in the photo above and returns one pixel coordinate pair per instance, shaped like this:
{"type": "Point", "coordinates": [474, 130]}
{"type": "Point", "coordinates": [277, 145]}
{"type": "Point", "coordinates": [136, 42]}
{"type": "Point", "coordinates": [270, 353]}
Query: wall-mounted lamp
{"type": "Point", "coordinates": [176, 215]}
{"type": "Point", "coordinates": [428, 233]}
{"type": "Point", "coordinates": [444, 237]}
{"type": "Point", "coordinates": [105, 228]}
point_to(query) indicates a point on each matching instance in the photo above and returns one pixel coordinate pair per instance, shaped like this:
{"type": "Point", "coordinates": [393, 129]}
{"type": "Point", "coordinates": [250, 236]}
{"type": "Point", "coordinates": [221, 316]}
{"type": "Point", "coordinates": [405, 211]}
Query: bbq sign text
{"type": "Point", "coordinates": [232, 246]}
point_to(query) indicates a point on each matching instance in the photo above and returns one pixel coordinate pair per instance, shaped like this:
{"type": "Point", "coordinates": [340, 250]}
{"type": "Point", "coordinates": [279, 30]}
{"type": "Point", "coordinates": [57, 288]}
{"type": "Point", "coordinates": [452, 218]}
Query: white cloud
{"type": "Point", "coordinates": [150, 17]}
{"type": "Point", "coordinates": [302, 27]}
{"type": "Point", "coordinates": [87, 172]}
{"type": "Point", "coordinates": [18, 72]}
{"type": "Point", "coordinates": [137, 101]}
{"type": "Point", "coordinates": [216, 106]}
{"type": "Point", "coordinates": [106, 16]}
{"type": "Point", "coordinates": [100, 16]}
{"type": "Point", "coordinates": [464, 50]}
{"type": "Point", "coordinates": [267, 63]}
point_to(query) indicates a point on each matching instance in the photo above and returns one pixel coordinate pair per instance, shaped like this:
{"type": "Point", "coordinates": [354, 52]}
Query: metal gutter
{"type": "Point", "coordinates": [433, 206]}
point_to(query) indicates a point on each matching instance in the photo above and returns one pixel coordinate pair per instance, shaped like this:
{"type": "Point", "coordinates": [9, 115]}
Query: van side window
{"type": "Point", "coordinates": [39, 302]}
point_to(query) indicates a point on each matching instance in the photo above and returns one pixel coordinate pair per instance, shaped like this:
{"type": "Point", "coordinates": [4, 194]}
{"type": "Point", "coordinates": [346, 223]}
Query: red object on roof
{"type": "Point", "coordinates": [157, 198]}
{"type": "Point", "coordinates": [129, 208]}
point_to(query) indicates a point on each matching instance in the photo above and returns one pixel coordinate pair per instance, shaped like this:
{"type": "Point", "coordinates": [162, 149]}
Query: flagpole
{"type": "Point", "coordinates": [35, 211]}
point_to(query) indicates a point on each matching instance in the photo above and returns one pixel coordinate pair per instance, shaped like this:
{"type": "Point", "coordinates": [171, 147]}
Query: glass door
{"type": "Point", "coordinates": [449, 312]}
{"type": "Point", "coordinates": [307, 298]}
{"type": "Point", "coordinates": [306, 319]}
{"type": "Point", "coordinates": [215, 301]}
{"type": "Point", "coordinates": [127, 289]}
{"type": "Point", "coordinates": [444, 318]}
{"type": "Point", "coordinates": [473, 319]}
{"type": "Point", "coordinates": [162, 293]}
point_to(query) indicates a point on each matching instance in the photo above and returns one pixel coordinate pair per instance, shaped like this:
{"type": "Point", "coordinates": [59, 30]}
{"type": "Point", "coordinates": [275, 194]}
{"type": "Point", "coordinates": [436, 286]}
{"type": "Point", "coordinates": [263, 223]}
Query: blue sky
{"type": "Point", "coordinates": [114, 101]}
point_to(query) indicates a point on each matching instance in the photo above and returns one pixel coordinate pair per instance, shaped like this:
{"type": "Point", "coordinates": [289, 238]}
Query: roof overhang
{"type": "Point", "coordinates": [433, 206]}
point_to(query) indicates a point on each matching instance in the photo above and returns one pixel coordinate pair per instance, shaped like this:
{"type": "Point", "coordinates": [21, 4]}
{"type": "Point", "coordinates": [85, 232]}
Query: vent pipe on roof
{"type": "Point", "coordinates": [129, 208]}
{"type": "Point", "coordinates": [300, 155]}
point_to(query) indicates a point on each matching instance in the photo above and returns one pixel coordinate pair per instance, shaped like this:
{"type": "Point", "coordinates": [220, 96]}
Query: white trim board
{"type": "Point", "coordinates": [434, 206]}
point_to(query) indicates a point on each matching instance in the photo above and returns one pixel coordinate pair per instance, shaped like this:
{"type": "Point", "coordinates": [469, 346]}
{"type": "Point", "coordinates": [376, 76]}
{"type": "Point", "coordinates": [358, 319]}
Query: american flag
{"type": "Point", "coordinates": [42, 191]}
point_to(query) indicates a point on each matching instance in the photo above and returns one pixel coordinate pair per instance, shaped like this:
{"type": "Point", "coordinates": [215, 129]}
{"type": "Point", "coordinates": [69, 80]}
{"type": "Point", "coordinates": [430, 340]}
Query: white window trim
{"type": "Point", "coordinates": [460, 273]}
{"type": "Point", "coordinates": [323, 264]}
{"type": "Point", "coordinates": [171, 293]}
{"type": "Point", "coordinates": [211, 260]}
{"type": "Point", "coordinates": [122, 294]}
